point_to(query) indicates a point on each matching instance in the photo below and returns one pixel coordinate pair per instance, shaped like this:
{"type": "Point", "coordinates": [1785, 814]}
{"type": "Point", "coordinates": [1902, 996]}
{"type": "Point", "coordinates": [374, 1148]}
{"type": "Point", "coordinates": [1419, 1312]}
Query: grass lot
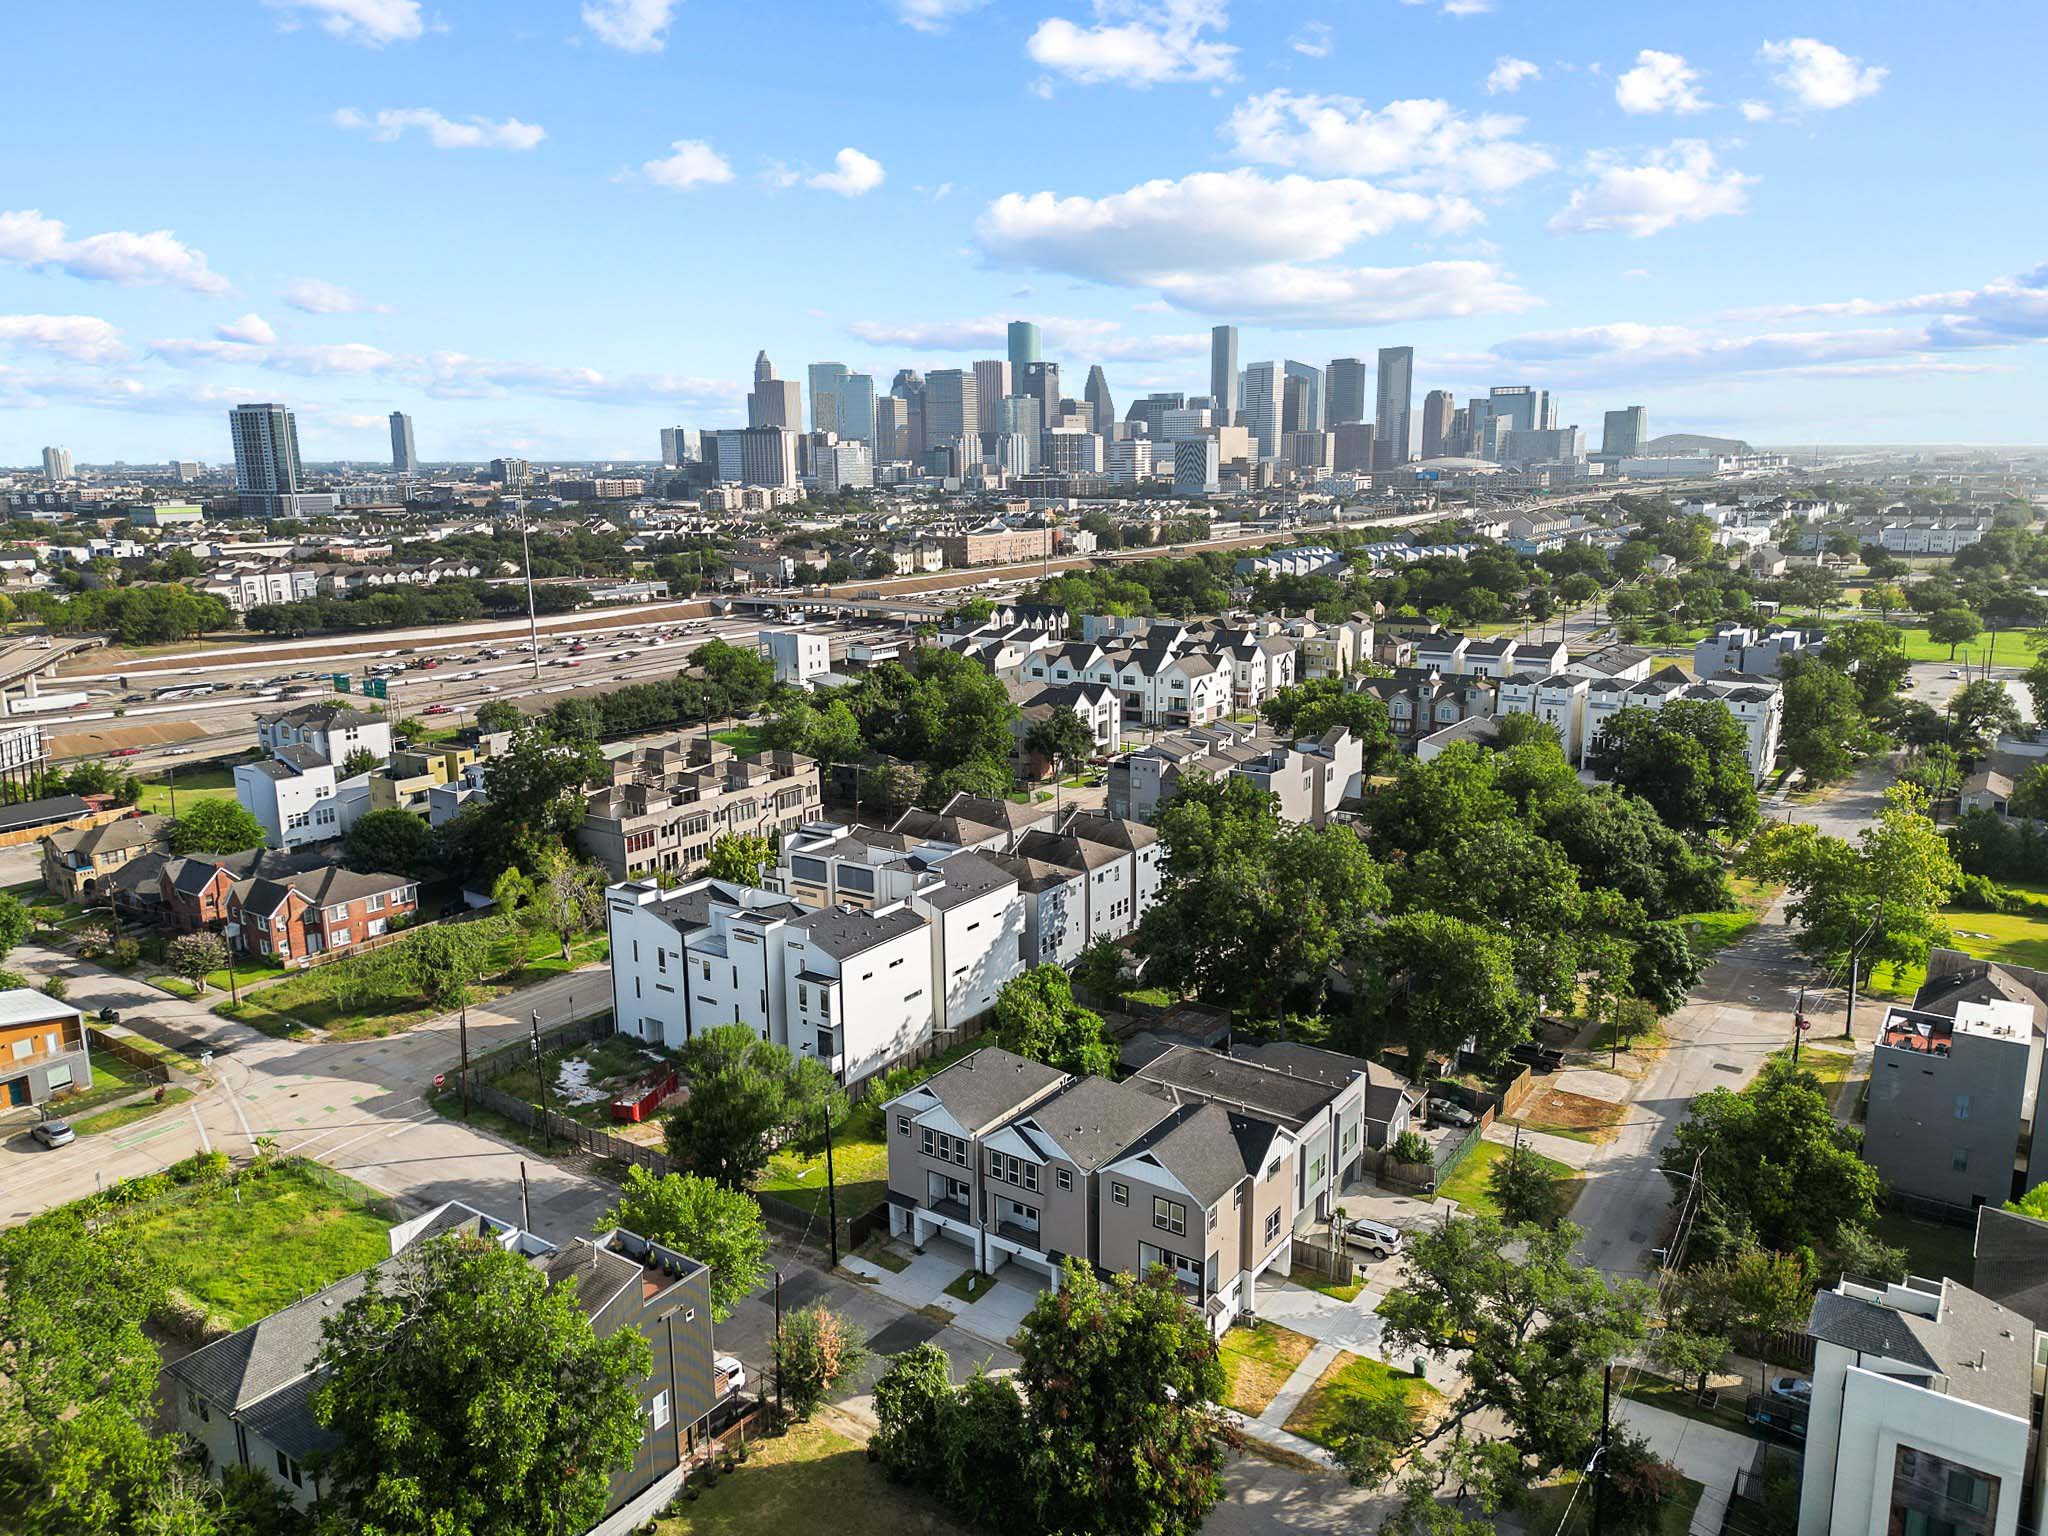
{"type": "Point", "coordinates": [1831, 1066]}
{"type": "Point", "coordinates": [1467, 1183]}
{"type": "Point", "coordinates": [116, 1119]}
{"type": "Point", "coordinates": [306, 998]}
{"type": "Point", "coordinates": [2016, 647]}
{"type": "Point", "coordinates": [1545, 1508]}
{"type": "Point", "coordinates": [170, 1058]}
{"type": "Point", "coordinates": [970, 1285]}
{"type": "Point", "coordinates": [1309, 1279]}
{"type": "Point", "coordinates": [1257, 1362]}
{"type": "Point", "coordinates": [1717, 930]}
{"type": "Point", "coordinates": [1352, 1376]}
{"type": "Point", "coordinates": [745, 740]}
{"type": "Point", "coordinates": [177, 986]}
{"type": "Point", "coordinates": [2016, 938]}
{"type": "Point", "coordinates": [1158, 997]}
{"type": "Point", "coordinates": [613, 1062]}
{"type": "Point", "coordinates": [805, 1483]}
{"type": "Point", "coordinates": [879, 1252]}
{"type": "Point", "coordinates": [1932, 1249]}
{"type": "Point", "coordinates": [112, 1078]}
{"type": "Point", "coordinates": [1727, 1413]}
{"type": "Point", "coordinates": [249, 972]}
{"type": "Point", "coordinates": [1577, 1116]}
{"type": "Point", "coordinates": [202, 781]}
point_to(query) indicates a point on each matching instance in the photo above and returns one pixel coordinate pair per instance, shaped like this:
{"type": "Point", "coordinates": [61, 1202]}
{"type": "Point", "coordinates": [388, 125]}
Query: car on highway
{"type": "Point", "coordinates": [429, 664]}
{"type": "Point", "coordinates": [1450, 1112]}
{"type": "Point", "coordinates": [177, 751]}
{"type": "Point", "coordinates": [1375, 1237]}
{"type": "Point", "coordinates": [126, 752]}
{"type": "Point", "coordinates": [54, 1133]}
{"type": "Point", "coordinates": [437, 709]}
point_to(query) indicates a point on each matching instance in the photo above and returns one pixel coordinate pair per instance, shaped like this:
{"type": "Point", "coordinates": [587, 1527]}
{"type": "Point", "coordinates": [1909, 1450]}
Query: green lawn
{"type": "Point", "coordinates": [1257, 1362]}
{"type": "Point", "coordinates": [809, 1482]}
{"type": "Point", "coordinates": [1546, 1508]}
{"type": "Point", "coordinates": [1467, 1183]}
{"type": "Point", "coordinates": [1684, 1401]}
{"type": "Point", "coordinates": [518, 959]}
{"type": "Point", "coordinates": [202, 781]}
{"type": "Point", "coordinates": [2014, 938]}
{"type": "Point", "coordinates": [860, 1167]}
{"type": "Point", "coordinates": [745, 740]}
{"type": "Point", "coordinates": [111, 1079]}
{"type": "Point", "coordinates": [290, 1232]}
{"type": "Point", "coordinates": [1352, 1376]}
{"type": "Point", "coordinates": [970, 1285]}
{"type": "Point", "coordinates": [1711, 932]}
{"type": "Point", "coordinates": [2016, 647]}
{"type": "Point", "coordinates": [176, 1060]}
{"type": "Point", "coordinates": [1825, 1062]}
{"type": "Point", "coordinates": [250, 971]}
{"type": "Point", "coordinates": [1310, 1280]}
{"type": "Point", "coordinates": [1932, 1248]}
{"type": "Point", "coordinates": [118, 1119]}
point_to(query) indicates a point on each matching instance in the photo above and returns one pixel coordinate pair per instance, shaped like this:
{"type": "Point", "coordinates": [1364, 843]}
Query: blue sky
{"type": "Point", "coordinates": [553, 226]}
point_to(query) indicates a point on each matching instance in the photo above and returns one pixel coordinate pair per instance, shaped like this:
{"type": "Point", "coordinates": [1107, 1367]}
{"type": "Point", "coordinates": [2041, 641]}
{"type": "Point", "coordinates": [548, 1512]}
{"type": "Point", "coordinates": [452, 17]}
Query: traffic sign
{"type": "Point", "coordinates": [375, 688]}
{"type": "Point", "coordinates": [340, 682]}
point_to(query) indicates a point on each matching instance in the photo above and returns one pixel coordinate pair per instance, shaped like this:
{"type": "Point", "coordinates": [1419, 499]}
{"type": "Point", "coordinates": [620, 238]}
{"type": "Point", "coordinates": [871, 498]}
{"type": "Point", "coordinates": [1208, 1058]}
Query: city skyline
{"type": "Point", "coordinates": [1694, 213]}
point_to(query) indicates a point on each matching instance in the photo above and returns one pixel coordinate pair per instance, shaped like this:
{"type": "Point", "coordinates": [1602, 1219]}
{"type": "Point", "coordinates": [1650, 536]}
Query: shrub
{"type": "Point", "coordinates": [817, 1348]}
{"type": "Point", "coordinates": [56, 987]}
{"type": "Point", "coordinates": [1410, 1147]}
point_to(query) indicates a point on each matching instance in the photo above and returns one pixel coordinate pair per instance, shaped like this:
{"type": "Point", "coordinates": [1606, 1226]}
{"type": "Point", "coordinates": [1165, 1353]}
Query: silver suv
{"type": "Point", "coordinates": [1375, 1237]}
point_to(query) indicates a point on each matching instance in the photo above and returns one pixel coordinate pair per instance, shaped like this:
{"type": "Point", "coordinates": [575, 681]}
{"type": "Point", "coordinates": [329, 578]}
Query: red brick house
{"type": "Point", "coordinates": [189, 892]}
{"type": "Point", "coordinates": [296, 919]}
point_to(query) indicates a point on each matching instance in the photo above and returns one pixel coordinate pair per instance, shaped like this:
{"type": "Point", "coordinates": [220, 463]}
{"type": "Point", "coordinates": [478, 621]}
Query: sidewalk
{"type": "Point", "coordinates": [1706, 1453]}
{"type": "Point", "coordinates": [1560, 1149]}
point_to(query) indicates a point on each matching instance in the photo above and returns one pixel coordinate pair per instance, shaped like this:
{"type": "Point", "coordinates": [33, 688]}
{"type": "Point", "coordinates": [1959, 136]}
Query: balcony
{"type": "Point", "coordinates": [1010, 1232]}
{"type": "Point", "coordinates": [952, 1210]}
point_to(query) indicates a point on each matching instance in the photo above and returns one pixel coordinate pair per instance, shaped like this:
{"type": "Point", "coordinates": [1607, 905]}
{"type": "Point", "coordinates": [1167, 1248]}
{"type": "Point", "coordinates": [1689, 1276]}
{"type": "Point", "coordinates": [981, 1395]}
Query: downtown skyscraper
{"type": "Point", "coordinates": [1344, 391]}
{"type": "Point", "coordinates": [1101, 408]}
{"type": "Point", "coordinates": [405, 459]}
{"type": "Point", "coordinates": [1223, 387]}
{"type": "Point", "coordinates": [1264, 393]}
{"type": "Point", "coordinates": [1023, 339]}
{"type": "Point", "coordinates": [1393, 438]}
{"type": "Point", "coordinates": [774, 402]}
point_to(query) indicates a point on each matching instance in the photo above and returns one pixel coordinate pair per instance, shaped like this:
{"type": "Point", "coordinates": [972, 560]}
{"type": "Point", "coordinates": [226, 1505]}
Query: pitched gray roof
{"type": "Point", "coordinates": [1188, 1070]}
{"type": "Point", "coordinates": [989, 1086]}
{"type": "Point", "coordinates": [968, 876]}
{"type": "Point", "coordinates": [1209, 1149]}
{"type": "Point", "coordinates": [1095, 1119]}
{"type": "Point", "coordinates": [1969, 1328]}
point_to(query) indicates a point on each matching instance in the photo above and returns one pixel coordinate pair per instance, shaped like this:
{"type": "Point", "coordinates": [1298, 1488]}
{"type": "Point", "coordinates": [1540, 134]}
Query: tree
{"type": "Point", "coordinates": [440, 962]}
{"type": "Point", "coordinates": [1421, 1513]}
{"type": "Point", "coordinates": [1526, 1187]}
{"type": "Point", "coordinates": [913, 1399]}
{"type": "Point", "coordinates": [1037, 1018]}
{"type": "Point", "coordinates": [816, 1349]}
{"type": "Point", "coordinates": [739, 857]}
{"type": "Point", "coordinates": [1535, 1329]}
{"type": "Point", "coordinates": [1320, 704]}
{"type": "Point", "coordinates": [15, 922]}
{"type": "Point", "coordinates": [719, 1227]}
{"type": "Point", "coordinates": [497, 715]}
{"type": "Point", "coordinates": [216, 826]}
{"type": "Point", "coordinates": [1953, 627]}
{"type": "Point", "coordinates": [1641, 1485]}
{"type": "Point", "coordinates": [1982, 711]}
{"type": "Point", "coordinates": [1873, 655]}
{"type": "Point", "coordinates": [1689, 760]}
{"type": "Point", "coordinates": [463, 1332]}
{"type": "Point", "coordinates": [1883, 598]}
{"type": "Point", "coordinates": [2037, 687]}
{"type": "Point", "coordinates": [1099, 969]}
{"type": "Point", "coordinates": [1662, 966]}
{"type": "Point", "coordinates": [194, 956]}
{"type": "Point", "coordinates": [568, 898]}
{"type": "Point", "coordinates": [742, 1096]}
{"type": "Point", "coordinates": [534, 788]}
{"type": "Point", "coordinates": [1122, 1381]}
{"type": "Point", "coordinates": [361, 760]}
{"type": "Point", "coordinates": [1824, 730]}
{"type": "Point", "coordinates": [1444, 980]}
{"type": "Point", "coordinates": [1502, 876]}
{"type": "Point", "coordinates": [1879, 899]}
{"type": "Point", "coordinates": [1776, 1159]}
{"type": "Point", "coordinates": [390, 842]}
{"type": "Point", "coordinates": [1061, 739]}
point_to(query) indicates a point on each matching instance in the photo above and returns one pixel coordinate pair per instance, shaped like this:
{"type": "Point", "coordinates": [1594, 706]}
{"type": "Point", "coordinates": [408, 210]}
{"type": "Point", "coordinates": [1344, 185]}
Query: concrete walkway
{"type": "Point", "coordinates": [1306, 1375]}
{"type": "Point", "coordinates": [1706, 1453]}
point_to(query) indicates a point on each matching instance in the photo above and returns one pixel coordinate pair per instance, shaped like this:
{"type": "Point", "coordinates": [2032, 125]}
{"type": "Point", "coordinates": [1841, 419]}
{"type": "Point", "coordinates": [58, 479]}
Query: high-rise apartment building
{"type": "Point", "coordinates": [1393, 438]}
{"type": "Point", "coordinates": [266, 457]}
{"type": "Point", "coordinates": [751, 456]}
{"type": "Point", "coordinates": [1344, 389]}
{"type": "Point", "coordinates": [774, 402]}
{"type": "Point", "coordinates": [1023, 339]}
{"type": "Point", "coordinates": [1070, 451]}
{"type": "Point", "coordinates": [1311, 395]}
{"type": "Point", "coordinates": [56, 465]}
{"type": "Point", "coordinates": [1623, 432]}
{"type": "Point", "coordinates": [951, 409]}
{"type": "Point", "coordinates": [513, 474]}
{"type": "Point", "coordinates": [405, 459]}
{"type": "Point", "coordinates": [1101, 409]}
{"type": "Point", "coordinates": [185, 470]}
{"type": "Point", "coordinates": [1438, 407]}
{"type": "Point", "coordinates": [1197, 466]}
{"type": "Point", "coordinates": [1261, 404]}
{"type": "Point", "coordinates": [1223, 387]}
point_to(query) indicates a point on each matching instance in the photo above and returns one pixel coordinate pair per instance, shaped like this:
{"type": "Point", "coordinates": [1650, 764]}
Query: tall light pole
{"type": "Point", "coordinates": [532, 619]}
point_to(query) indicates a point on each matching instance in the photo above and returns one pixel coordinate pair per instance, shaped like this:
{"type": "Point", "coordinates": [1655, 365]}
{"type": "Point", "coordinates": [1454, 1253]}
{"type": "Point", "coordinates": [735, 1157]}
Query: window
{"type": "Point", "coordinates": [1272, 1225]}
{"type": "Point", "coordinates": [1119, 1194]}
{"type": "Point", "coordinates": [1212, 1221]}
{"type": "Point", "coordinates": [288, 1468]}
{"type": "Point", "coordinates": [658, 1413]}
{"type": "Point", "coordinates": [1237, 1198]}
{"type": "Point", "coordinates": [930, 1143]}
{"type": "Point", "coordinates": [1315, 1171]}
{"type": "Point", "coordinates": [1169, 1215]}
{"type": "Point", "coordinates": [903, 1125]}
{"type": "Point", "coordinates": [24, 1049]}
{"type": "Point", "coordinates": [1959, 1159]}
{"type": "Point", "coordinates": [57, 1077]}
{"type": "Point", "coordinates": [1962, 1106]}
{"type": "Point", "coordinates": [375, 903]}
{"type": "Point", "coordinates": [960, 1153]}
{"type": "Point", "coordinates": [1064, 1178]}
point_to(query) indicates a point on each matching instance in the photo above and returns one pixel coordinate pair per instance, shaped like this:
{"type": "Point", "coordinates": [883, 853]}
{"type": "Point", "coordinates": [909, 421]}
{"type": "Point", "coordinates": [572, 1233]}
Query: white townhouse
{"type": "Point", "coordinates": [1558, 700]}
{"type": "Point", "coordinates": [1758, 705]}
{"type": "Point", "coordinates": [299, 798]}
{"type": "Point", "coordinates": [333, 730]}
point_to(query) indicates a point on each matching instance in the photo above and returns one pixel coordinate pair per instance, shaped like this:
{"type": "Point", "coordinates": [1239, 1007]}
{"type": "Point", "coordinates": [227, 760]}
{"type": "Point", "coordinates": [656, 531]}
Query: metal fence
{"type": "Point", "coordinates": [1926, 1208]}
{"type": "Point", "coordinates": [1452, 1153]}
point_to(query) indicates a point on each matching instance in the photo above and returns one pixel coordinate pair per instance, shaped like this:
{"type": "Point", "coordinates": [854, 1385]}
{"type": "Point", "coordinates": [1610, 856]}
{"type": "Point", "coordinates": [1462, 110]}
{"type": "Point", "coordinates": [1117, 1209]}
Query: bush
{"type": "Point", "coordinates": [1410, 1147]}
{"type": "Point", "coordinates": [56, 987]}
{"type": "Point", "coordinates": [124, 954]}
{"type": "Point", "coordinates": [817, 1349]}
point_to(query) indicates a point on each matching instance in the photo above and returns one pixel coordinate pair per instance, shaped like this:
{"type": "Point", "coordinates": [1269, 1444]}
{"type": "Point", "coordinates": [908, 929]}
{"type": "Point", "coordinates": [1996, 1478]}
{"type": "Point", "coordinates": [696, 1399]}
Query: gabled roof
{"type": "Point", "coordinates": [1189, 1071]}
{"type": "Point", "coordinates": [1094, 1119]}
{"type": "Point", "coordinates": [988, 1086]}
{"type": "Point", "coordinates": [128, 832]}
{"type": "Point", "coordinates": [1209, 1149]}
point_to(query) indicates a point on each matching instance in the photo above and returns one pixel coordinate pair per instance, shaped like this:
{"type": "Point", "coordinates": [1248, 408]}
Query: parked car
{"type": "Point", "coordinates": [1450, 1112]}
{"type": "Point", "coordinates": [730, 1374]}
{"type": "Point", "coordinates": [1538, 1057]}
{"type": "Point", "coordinates": [54, 1133]}
{"type": "Point", "coordinates": [1375, 1237]}
{"type": "Point", "coordinates": [1792, 1389]}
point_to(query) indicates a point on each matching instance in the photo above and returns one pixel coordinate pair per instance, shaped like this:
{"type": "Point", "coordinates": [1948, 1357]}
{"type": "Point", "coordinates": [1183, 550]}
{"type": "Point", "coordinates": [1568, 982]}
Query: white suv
{"type": "Point", "coordinates": [1375, 1237]}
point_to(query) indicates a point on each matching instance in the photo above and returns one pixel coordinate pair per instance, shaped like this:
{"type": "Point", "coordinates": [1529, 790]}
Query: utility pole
{"type": "Point", "coordinates": [462, 1034]}
{"type": "Point", "coordinates": [831, 1190]}
{"type": "Point", "coordinates": [778, 1343]}
{"type": "Point", "coordinates": [1798, 1024]}
{"type": "Point", "coordinates": [525, 1206]}
{"type": "Point", "coordinates": [1600, 1456]}
{"type": "Point", "coordinates": [540, 1087]}
{"type": "Point", "coordinates": [532, 619]}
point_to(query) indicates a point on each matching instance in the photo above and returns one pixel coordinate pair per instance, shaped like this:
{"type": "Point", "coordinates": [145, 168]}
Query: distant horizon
{"type": "Point", "coordinates": [523, 222]}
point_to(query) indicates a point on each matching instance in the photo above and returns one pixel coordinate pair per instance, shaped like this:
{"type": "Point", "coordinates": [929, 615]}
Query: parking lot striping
{"type": "Point", "coordinates": [205, 1141]}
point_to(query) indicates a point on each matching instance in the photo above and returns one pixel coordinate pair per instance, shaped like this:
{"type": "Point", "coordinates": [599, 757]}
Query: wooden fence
{"type": "Point", "coordinates": [104, 1044]}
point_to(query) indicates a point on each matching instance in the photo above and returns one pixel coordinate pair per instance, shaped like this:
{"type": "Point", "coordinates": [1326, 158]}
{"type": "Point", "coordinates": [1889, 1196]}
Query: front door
{"type": "Point", "coordinates": [17, 1091]}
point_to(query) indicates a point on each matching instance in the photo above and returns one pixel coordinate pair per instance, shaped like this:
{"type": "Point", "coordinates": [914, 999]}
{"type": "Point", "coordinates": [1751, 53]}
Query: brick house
{"type": "Point", "coordinates": [296, 918]}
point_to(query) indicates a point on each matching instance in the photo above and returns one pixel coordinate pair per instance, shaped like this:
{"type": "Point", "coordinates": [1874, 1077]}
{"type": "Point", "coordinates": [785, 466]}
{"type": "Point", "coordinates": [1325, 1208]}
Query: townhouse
{"type": "Point", "coordinates": [410, 777]}
{"type": "Point", "coordinates": [299, 797]}
{"type": "Point", "coordinates": [669, 800]}
{"type": "Point", "coordinates": [1558, 700]}
{"type": "Point", "coordinates": [43, 1048]}
{"type": "Point", "coordinates": [246, 1398]}
{"type": "Point", "coordinates": [1094, 704]}
{"type": "Point", "coordinates": [1752, 650]}
{"type": "Point", "coordinates": [1330, 650]}
{"type": "Point", "coordinates": [334, 731]}
{"type": "Point", "coordinates": [1423, 700]}
{"type": "Point", "coordinates": [77, 863]}
{"type": "Point", "coordinates": [1758, 705]}
{"type": "Point", "coordinates": [187, 893]}
{"type": "Point", "coordinates": [1203, 1163]}
{"type": "Point", "coordinates": [1160, 680]}
{"type": "Point", "coordinates": [296, 918]}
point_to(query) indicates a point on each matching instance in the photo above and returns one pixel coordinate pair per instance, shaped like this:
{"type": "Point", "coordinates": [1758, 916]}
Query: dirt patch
{"type": "Point", "coordinates": [1582, 1082]}
{"type": "Point", "coordinates": [121, 733]}
{"type": "Point", "coordinates": [1552, 1109]}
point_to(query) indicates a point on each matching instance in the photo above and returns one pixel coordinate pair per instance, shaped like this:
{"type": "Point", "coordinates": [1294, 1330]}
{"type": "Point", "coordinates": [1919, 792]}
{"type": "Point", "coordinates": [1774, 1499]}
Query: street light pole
{"type": "Point", "coordinates": [532, 618]}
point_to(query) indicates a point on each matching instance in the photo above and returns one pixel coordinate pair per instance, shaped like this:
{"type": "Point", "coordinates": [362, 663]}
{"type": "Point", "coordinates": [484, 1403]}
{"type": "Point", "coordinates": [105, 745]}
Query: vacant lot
{"type": "Point", "coordinates": [1353, 1377]}
{"type": "Point", "coordinates": [1257, 1362]}
{"type": "Point", "coordinates": [203, 781]}
{"type": "Point", "coordinates": [1467, 1183]}
{"type": "Point", "coordinates": [809, 1482]}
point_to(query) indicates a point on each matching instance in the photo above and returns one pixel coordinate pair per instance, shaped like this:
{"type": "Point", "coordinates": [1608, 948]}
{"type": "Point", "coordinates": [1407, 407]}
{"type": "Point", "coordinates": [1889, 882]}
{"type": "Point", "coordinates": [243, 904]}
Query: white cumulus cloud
{"type": "Point", "coordinates": [373, 23]}
{"type": "Point", "coordinates": [1424, 142]}
{"type": "Point", "coordinates": [120, 256]}
{"type": "Point", "coordinates": [252, 328]}
{"type": "Point", "coordinates": [1315, 40]}
{"type": "Point", "coordinates": [1819, 76]}
{"type": "Point", "coordinates": [1509, 74]}
{"type": "Point", "coordinates": [1659, 82]}
{"type": "Point", "coordinates": [689, 163]}
{"type": "Point", "coordinates": [853, 174]}
{"type": "Point", "coordinates": [1310, 297]}
{"type": "Point", "coordinates": [634, 26]}
{"type": "Point", "coordinates": [1135, 43]}
{"type": "Point", "coordinates": [81, 338]}
{"type": "Point", "coordinates": [1679, 184]}
{"type": "Point", "coordinates": [317, 296]}
{"type": "Point", "coordinates": [442, 132]}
